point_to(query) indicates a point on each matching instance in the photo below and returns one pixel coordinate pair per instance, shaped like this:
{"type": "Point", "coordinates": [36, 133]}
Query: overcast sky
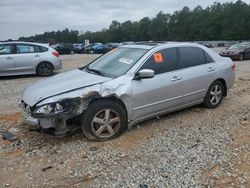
{"type": "Point", "coordinates": [29, 17]}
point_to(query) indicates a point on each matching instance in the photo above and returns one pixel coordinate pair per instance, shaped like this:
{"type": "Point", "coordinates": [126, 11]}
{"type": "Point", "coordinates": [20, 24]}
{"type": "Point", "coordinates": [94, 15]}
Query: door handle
{"type": "Point", "coordinates": [210, 69]}
{"type": "Point", "coordinates": [9, 58]}
{"type": "Point", "coordinates": [37, 55]}
{"type": "Point", "coordinates": [176, 78]}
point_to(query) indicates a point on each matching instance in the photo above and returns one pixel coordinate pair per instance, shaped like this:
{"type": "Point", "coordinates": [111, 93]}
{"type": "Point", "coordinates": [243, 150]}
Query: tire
{"type": "Point", "coordinates": [45, 69]}
{"type": "Point", "coordinates": [214, 95]}
{"type": "Point", "coordinates": [241, 57]}
{"type": "Point", "coordinates": [72, 52]}
{"type": "Point", "coordinates": [96, 120]}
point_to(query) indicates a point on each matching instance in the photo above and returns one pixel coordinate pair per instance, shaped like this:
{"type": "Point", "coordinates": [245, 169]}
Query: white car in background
{"type": "Point", "coordinates": [18, 58]}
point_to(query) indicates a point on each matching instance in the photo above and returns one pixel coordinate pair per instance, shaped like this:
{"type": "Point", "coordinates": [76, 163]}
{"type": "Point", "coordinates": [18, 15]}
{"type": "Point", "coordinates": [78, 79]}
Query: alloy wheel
{"type": "Point", "coordinates": [105, 123]}
{"type": "Point", "coordinates": [215, 94]}
{"type": "Point", "coordinates": [45, 69]}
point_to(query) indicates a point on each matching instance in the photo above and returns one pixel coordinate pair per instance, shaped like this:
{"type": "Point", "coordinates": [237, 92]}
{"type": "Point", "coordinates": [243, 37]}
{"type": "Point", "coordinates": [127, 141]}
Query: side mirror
{"type": "Point", "coordinates": [145, 74]}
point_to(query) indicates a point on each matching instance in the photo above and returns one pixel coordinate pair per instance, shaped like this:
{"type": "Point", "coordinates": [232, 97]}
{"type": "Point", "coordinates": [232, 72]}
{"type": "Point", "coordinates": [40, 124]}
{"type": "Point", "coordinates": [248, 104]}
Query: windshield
{"type": "Point", "coordinates": [116, 62]}
{"type": "Point", "coordinates": [239, 46]}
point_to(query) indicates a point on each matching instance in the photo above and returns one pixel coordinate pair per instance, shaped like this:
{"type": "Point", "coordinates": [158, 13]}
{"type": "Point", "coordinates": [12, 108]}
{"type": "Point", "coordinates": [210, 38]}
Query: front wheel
{"type": "Point", "coordinates": [214, 95]}
{"type": "Point", "coordinates": [103, 120]}
{"type": "Point", "coordinates": [45, 69]}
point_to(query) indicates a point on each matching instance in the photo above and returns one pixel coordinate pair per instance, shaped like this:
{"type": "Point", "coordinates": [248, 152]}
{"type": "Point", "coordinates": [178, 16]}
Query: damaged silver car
{"type": "Point", "coordinates": [126, 86]}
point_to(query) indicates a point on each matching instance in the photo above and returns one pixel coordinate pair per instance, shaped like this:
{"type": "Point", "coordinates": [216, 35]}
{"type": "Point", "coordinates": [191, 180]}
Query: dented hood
{"type": "Point", "coordinates": [59, 84]}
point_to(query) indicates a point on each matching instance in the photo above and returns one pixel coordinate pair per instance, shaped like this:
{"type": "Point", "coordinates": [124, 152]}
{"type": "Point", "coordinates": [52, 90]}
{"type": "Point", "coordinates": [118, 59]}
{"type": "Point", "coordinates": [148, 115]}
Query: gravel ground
{"type": "Point", "coordinates": [196, 147]}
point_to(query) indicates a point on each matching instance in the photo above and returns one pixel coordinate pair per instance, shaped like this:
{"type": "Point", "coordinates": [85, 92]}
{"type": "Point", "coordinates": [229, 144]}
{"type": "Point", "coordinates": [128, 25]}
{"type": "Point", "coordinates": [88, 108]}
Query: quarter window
{"type": "Point", "coordinates": [6, 49]}
{"type": "Point", "coordinates": [191, 56]}
{"type": "Point", "coordinates": [162, 61]}
{"type": "Point", "coordinates": [43, 49]}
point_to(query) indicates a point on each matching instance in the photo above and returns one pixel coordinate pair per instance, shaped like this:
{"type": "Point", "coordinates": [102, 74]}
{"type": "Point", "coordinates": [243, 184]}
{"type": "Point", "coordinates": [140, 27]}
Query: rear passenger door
{"type": "Point", "coordinates": [7, 65]}
{"type": "Point", "coordinates": [163, 91]}
{"type": "Point", "coordinates": [26, 57]}
{"type": "Point", "coordinates": [198, 70]}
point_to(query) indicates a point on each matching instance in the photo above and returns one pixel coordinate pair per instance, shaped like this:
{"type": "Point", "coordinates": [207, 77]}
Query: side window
{"type": "Point", "coordinates": [6, 49]}
{"type": "Point", "coordinates": [191, 56]}
{"type": "Point", "coordinates": [20, 49]}
{"type": "Point", "coordinates": [162, 61]}
{"type": "Point", "coordinates": [208, 58]}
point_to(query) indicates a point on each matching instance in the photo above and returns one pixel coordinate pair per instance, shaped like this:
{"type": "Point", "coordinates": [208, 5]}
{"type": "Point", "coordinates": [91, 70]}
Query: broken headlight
{"type": "Point", "coordinates": [65, 107]}
{"type": "Point", "coordinates": [45, 109]}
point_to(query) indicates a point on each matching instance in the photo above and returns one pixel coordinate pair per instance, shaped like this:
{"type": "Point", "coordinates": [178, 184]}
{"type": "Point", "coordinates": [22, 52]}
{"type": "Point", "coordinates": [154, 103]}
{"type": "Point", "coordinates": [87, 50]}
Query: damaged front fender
{"type": "Point", "coordinates": [119, 89]}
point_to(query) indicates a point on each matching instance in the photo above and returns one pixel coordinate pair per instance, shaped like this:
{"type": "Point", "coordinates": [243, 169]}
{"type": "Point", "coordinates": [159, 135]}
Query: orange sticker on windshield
{"type": "Point", "coordinates": [158, 58]}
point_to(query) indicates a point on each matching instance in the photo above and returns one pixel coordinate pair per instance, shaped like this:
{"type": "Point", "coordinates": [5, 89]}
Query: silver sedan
{"type": "Point", "coordinates": [126, 86]}
{"type": "Point", "coordinates": [17, 58]}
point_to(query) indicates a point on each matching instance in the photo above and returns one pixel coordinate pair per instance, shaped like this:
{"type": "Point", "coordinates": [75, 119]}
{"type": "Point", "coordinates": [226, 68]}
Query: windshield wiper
{"type": "Point", "coordinates": [95, 71]}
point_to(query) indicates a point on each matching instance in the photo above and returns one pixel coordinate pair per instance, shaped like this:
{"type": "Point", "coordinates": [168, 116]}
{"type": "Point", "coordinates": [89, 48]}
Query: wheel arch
{"type": "Point", "coordinates": [224, 85]}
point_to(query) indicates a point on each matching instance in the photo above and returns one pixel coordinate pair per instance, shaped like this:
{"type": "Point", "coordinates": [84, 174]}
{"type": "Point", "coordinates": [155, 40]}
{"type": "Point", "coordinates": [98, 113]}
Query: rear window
{"type": "Point", "coordinates": [191, 56]}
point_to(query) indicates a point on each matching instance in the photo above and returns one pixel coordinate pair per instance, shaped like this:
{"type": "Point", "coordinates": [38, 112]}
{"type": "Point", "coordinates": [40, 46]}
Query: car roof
{"type": "Point", "coordinates": [243, 43]}
{"type": "Point", "coordinates": [21, 42]}
{"type": "Point", "coordinates": [153, 45]}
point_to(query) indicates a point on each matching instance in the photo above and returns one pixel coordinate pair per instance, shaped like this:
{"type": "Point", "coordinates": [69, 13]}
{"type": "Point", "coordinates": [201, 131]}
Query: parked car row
{"type": "Point", "coordinates": [92, 48]}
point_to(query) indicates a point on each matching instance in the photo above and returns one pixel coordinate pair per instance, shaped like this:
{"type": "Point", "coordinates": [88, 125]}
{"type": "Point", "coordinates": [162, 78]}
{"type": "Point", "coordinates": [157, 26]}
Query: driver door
{"type": "Point", "coordinates": [162, 92]}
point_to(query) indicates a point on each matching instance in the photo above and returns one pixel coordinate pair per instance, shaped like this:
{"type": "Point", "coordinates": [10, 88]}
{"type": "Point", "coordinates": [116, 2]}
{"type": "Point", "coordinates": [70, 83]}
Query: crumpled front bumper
{"type": "Point", "coordinates": [27, 118]}
{"type": "Point", "coordinates": [56, 123]}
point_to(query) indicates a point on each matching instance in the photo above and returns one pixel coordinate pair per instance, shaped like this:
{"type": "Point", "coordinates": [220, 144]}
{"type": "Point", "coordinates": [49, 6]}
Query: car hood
{"type": "Point", "coordinates": [59, 84]}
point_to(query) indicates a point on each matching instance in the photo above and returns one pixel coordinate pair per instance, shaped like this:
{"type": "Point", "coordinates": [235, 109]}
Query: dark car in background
{"type": "Point", "coordinates": [64, 48]}
{"type": "Point", "coordinates": [111, 46]}
{"type": "Point", "coordinates": [96, 48]}
{"type": "Point", "coordinates": [80, 48]}
{"type": "Point", "coordinates": [238, 51]}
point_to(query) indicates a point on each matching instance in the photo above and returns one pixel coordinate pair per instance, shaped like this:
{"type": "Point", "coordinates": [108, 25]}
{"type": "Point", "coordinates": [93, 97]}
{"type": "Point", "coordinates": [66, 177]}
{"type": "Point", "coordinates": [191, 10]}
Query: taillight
{"type": "Point", "coordinates": [233, 66]}
{"type": "Point", "coordinates": [55, 53]}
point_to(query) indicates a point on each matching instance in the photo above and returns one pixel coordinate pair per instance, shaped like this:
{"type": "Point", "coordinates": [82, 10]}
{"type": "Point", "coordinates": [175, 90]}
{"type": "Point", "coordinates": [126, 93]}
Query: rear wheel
{"type": "Point", "coordinates": [45, 69]}
{"type": "Point", "coordinates": [103, 120]}
{"type": "Point", "coordinates": [214, 95]}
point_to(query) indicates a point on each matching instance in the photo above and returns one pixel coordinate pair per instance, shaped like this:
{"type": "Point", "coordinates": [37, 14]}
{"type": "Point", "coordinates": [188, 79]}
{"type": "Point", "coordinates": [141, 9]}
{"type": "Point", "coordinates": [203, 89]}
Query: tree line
{"type": "Point", "coordinates": [227, 21]}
